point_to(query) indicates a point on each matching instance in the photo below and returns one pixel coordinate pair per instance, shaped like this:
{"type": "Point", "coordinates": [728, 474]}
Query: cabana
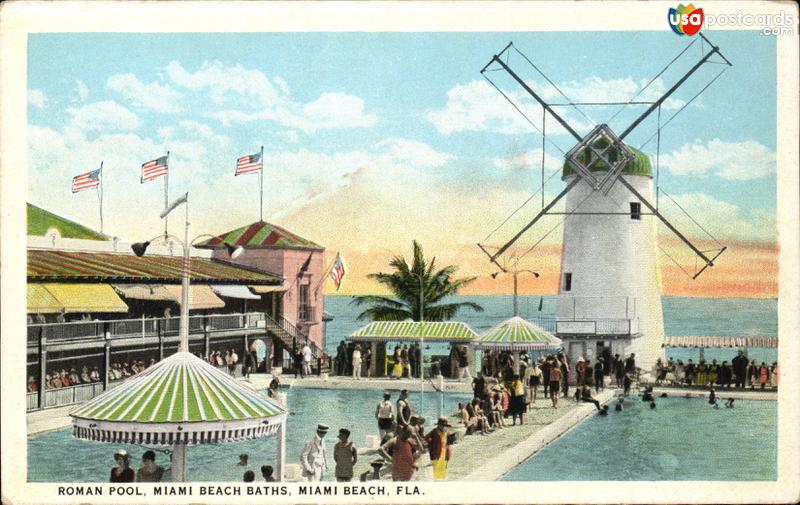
{"type": "Point", "coordinates": [379, 333]}
{"type": "Point", "coordinates": [516, 335]}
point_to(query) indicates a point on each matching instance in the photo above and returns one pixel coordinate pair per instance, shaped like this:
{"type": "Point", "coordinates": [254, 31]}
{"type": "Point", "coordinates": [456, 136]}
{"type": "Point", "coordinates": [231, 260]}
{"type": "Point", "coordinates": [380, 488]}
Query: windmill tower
{"type": "Point", "coordinates": [609, 297]}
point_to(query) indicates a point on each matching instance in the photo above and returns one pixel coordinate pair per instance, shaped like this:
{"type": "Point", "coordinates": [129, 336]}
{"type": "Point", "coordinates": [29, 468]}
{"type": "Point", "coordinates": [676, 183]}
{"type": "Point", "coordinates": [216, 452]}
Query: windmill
{"type": "Point", "coordinates": [609, 291]}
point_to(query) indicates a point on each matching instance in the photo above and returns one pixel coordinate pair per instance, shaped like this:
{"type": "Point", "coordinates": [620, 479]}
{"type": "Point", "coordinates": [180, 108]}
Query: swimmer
{"type": "Point", "coordinates": [729, 403]}
{"type": "Point", "coordinates": [604, 411]}
{"type": "Point", "coordinates": [652, 405]}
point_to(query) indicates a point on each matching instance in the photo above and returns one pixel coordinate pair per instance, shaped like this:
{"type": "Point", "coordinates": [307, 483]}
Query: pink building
{"type": "Point", "coordinates": [300, 301]}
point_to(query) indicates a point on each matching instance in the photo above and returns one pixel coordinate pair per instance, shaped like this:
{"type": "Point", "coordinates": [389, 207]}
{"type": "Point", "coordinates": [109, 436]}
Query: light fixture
{"type": "Point", "coordinates": [233, 251]}
{"type": "Point", "coordinates": [139, 248]}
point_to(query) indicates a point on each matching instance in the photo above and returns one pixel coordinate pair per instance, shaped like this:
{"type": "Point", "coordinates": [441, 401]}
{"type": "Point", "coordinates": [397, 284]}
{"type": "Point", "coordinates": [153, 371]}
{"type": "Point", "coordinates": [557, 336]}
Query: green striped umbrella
{"type": "Point", "coordinates": [517, 334]}
{"type": "Point", "coordinates": [182, 400]}
{"type": "Point", "coordinates": [413, 331]}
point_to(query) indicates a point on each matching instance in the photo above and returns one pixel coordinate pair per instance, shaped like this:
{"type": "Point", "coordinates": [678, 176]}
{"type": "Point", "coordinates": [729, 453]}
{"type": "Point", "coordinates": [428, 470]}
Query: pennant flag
{"type": "Point", "coordinates": [305, 266]}
{"type": "Point", "coordinates": [337, 272]}
{"type": "Point", "coordinates": [249, 164]}
{"type": "Point", "coordinates": [175, 203]}
{"type": "Point", "coordinates": [154, 169]}
{"type": "Point", "coordinates": [86, 181]}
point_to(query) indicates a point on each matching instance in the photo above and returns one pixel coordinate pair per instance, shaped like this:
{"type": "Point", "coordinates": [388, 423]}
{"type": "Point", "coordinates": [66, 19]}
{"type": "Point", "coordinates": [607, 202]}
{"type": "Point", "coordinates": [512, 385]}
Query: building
{"type": "Point", "coordinates": [609, 297]}
{"type": "Point", "coordinates": [300, 261]}
{"type": "Point", "coordinates": [92, 302]}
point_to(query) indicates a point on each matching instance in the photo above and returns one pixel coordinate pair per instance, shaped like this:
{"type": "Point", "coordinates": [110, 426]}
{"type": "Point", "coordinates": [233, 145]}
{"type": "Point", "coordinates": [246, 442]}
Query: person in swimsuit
{"type": "Point", "coordinates": [122, 472]}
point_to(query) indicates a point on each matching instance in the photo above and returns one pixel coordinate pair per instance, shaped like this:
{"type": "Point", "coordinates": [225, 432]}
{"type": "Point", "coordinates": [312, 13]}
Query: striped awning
{"type": "Point", "coordinates": [235, 291]}
{"type": "Point", "coordinates": [517, 334]}
{"type": "Point", "coordinates": [261, 235]}
{"type": "Point", "coordinates": [181, 399]}
{"type": "Point", "coordinates": [720, 341]}
{"type": "Point", "coordinates": [154, 292]}
{"type": "Point", "coordinates": [200, 296]}
{"type": "Point", "coordinates": [40, 301]}
{"type": "Point", "coordinates": [73, 297]}
{"type": "Point", "coordinates": [412, 331]}
{"type": "Point", "coordinates": [56, 265]}
{"type": "Point", "coordinates": [268, 289]}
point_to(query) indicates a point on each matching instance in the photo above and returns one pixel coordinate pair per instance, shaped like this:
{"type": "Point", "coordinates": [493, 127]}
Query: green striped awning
{"type": "Point", "coordinates": [181, 399]}
{"type": "Point", "coordinates": [399, 331]}
{"type": "Point", "coordinates": [517, 334]}
{"type": "Point", "coordinates": [261, 235]}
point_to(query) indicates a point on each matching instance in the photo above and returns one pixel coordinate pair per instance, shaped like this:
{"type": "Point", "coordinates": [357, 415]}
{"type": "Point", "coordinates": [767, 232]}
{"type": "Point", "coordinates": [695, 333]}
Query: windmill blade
{"type": "Point", "coordinates": [670, 91]}
{"type": "Point", "coordinates": [681, 236]}
{"type": "Point", "coordinates": [545, 105]}
{"type": "Point", "coordinates": [541, 213]}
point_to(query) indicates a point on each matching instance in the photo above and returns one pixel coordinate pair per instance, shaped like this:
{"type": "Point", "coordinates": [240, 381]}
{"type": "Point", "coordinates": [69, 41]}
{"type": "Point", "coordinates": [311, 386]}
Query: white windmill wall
{"type": "Point", "coordinates": [614, 266]}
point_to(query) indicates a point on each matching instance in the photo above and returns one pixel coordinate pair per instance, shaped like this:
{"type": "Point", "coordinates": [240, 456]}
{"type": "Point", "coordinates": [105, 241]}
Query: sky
{"type": "Point", "coordinates": [374, 139]}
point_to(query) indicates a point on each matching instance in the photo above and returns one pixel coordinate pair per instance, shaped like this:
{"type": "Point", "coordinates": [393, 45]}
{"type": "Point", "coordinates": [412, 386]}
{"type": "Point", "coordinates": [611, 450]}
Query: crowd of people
{"type": "Point", "coordinates": [64, 378]}
{"type": "Point", "coordinates": [740, 373]}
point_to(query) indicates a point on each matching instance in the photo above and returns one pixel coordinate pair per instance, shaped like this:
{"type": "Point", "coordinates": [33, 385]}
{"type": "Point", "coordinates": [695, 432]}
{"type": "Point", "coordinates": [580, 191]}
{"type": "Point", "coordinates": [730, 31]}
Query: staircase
{"type": "Point", "coordinates": [292, 338]}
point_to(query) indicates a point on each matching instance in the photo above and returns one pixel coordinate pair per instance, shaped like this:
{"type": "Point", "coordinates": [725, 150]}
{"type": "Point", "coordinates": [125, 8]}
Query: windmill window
{"type": "Point", "coordinates": [636, 211]}
{"type": "Point", "coordinates": [568, 281]}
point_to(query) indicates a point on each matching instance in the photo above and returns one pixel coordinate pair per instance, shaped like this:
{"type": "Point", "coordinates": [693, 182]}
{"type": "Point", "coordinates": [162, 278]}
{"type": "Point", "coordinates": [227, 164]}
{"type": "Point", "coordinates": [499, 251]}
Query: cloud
{"type": "Point", "coordinates": [414, 152]}
{"type": "Point", "coordinates": [154, 96]}
{"type": "Point", "coordinates": [107, 115]}
{"type": "Point", "coordinates": [478, 106]}
{"type": "Point", "coordinates": [738, 161]}
{"type": "Point", "coordinates": [241, 95]}
{"type": "Point", "coordinates": [722, 219]}
{"type": "Point", "coordinates": [82, 90]}
{"type": "Point", "coordinates": [529, 159]}
{"type": "Point", "coordinates": [37, 98]}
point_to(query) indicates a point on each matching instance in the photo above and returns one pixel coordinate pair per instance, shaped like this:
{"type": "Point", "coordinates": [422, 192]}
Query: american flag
{"type": "Point", "coordinates": [86, 181]}
{"type": "Point", "coordinates": [248, 164]}
{"type": "Point", "coordinates": [154, 169]}
{"type": "Point", "coordinates": [337, 272]}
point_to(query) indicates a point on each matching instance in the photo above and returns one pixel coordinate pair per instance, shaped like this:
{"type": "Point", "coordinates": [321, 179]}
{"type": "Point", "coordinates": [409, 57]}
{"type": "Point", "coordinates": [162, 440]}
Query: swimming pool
{"type": "Point", "coordinates": [58, 457]}
{"type": "Point", "coordinates": [682, 439]}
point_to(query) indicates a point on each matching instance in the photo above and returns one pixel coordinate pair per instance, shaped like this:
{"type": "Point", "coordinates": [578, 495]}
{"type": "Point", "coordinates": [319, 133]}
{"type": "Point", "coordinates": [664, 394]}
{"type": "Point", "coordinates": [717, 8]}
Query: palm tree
{"type": "Point", "coordinates": [417, 288]}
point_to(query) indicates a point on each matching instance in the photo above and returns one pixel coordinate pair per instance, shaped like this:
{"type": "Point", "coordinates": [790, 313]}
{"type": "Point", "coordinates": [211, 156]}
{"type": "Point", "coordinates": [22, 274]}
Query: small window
{"type": "Point", "coordinates": [636, 210]}
{"type": "Point", "coordinates": [568, 281]}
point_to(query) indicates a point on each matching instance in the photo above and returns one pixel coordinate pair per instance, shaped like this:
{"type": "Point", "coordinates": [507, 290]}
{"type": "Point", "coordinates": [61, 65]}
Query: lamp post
{"type": "Point", "coordinates": [515, 273]}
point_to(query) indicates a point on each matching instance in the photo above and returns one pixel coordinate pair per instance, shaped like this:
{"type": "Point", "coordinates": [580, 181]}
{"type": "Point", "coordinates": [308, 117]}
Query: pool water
{"type": "Point", "coordinates": [58, 457]}
{"type": "Point", "coordinates": [682, 439]}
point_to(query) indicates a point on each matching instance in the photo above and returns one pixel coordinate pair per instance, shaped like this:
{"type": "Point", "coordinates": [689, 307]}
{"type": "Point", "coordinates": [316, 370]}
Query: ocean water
{"type": "Point", "coordinates": [736, 317]}
{"type": "Point", "coordinates": [58, 457]}
{"type": "Point", "coordinates": [682, 439]}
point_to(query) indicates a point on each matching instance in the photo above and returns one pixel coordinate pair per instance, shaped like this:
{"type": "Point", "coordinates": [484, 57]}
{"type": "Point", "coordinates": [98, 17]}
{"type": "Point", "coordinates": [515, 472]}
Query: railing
{"type": "Point", "coordinates": [598, 326]}
{"type": "Point", "coordinates": [66, 331]}
{"type": "Point", "coordinates": [141, 327]}
{"type": "Point", "coordinates": [577, 308]}
{"type": "Point", "coordinates": [66, 396]}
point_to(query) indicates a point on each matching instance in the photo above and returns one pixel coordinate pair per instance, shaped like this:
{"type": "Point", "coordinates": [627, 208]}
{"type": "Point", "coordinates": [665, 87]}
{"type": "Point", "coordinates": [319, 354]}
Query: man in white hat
{"type": "Point", "coordinates": [314, 459]}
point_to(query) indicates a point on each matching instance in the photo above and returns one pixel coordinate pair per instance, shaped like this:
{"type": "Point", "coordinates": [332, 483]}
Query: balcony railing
{"type": "Point", "coordinates": [308, 313]}
{"type": "Point", "coordinates": [598, 326]}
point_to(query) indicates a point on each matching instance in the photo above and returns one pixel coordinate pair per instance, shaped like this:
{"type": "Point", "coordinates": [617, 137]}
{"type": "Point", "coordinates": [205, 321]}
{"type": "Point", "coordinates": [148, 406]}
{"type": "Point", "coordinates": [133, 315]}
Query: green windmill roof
{"type": "Point", "coordinates": [261, 235]}
{"type": "Point", "coordinates": [639, 165]}
{"type": "Point", "coordinates": [40, 220]}
{"type": "Point", "coordinates": [518, 333]}
{"type": "Point", "coordinates": [179, 389]}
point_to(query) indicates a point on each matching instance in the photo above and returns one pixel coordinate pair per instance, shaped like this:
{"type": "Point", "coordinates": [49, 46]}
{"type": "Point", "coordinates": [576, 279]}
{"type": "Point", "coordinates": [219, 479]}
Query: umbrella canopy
{"type": "Point", "coordinates": [517, 334]}
{"type": "Point", "coordinates": [180, 400]}
{"type": "Point", "coordinates": [413, 331]}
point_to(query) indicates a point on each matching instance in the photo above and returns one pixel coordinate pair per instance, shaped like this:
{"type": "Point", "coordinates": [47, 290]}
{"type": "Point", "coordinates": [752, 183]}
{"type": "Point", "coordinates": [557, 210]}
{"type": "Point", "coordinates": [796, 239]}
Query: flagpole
{"type": "Point", "coordinates": [166, 197]}
{"type": "Point", "coordinates": [100, 191]}
{"type": "Point", "coordinates": [261, 184]}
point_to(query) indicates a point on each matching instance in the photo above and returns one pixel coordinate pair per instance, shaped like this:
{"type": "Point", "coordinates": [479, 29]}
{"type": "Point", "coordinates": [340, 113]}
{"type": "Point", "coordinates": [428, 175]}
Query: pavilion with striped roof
{"type": "Point", "coordinates": [261, 235]}
{"type": "Point", "coordinates": [180, 401]}
{"type": "Point", "coordinates": [414, 331]}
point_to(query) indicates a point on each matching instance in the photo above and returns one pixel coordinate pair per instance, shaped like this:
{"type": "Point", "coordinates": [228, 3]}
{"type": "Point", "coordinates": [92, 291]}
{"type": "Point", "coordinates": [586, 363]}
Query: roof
{"type": "Point", "coordinates": [692, 341]}
{"type": "Point", "coordinates": [56, 265]}
{"type": "Point", "coordinates": [639, 165]}
{"type": "Point", "coordinates": [81, 297]}
{"type": "Point", "coordinates": [180, 389]}
{"type": "Point", "coordinates": [41, 301]}
{"type": "Point", "coordinates": [261, 235]}
{"type": "Point", "coordinates": [397, 331]}
{"type": "Point", "coordinates": [518, 334]}
{"type": "Point", "coordinates": [40, 220]}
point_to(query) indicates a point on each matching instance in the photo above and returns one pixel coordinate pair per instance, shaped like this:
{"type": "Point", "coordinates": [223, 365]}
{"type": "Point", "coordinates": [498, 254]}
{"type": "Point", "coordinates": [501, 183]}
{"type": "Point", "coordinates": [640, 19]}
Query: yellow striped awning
{"type": "Point", "coordinates": [201, 296]}
{"type": "Point", "coordinates": [155, 292]}
{"type": "Point", "coordinates": [267, 289]}
{"type": "Point", "coordinates": [40, 301]}
{"type": "Point", "coordinates": [86, 297]}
